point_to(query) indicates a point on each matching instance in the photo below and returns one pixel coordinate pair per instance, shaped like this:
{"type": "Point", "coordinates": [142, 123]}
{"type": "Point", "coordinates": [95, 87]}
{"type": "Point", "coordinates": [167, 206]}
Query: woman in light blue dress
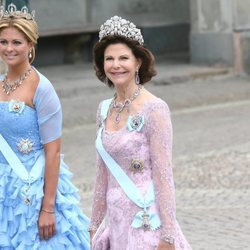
{"type": "Point", "coordinates": [39, 206]}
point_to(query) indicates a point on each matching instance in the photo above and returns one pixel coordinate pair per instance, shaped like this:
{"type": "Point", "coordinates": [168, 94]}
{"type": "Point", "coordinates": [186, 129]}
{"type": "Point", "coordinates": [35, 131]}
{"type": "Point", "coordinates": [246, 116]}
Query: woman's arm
{"type": "Point", "coordinates": [101, 184]}
{"type": "Point", "coordinates": [46, 222]}
{"type": "Point", "coordinates": [49, 117]}
{"type": "Point", "coordinates": [99, 200]}
{"type": "Point", "coordinates": [160, 137]}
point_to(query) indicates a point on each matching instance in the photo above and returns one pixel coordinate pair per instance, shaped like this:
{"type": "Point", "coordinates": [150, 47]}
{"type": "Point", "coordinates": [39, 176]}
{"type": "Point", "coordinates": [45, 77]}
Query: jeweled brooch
{"type": "Point", "coordinates": [135, 122]}
{"type": "Point", "coordinates": [25, 146]}
{"type": "Point", "coordinates": [136, 166]}
{"type": "Point", "coordinates": [16, 106]}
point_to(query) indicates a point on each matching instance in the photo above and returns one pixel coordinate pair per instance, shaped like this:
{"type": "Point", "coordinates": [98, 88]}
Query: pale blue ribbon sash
{"type": "Point", "coordinates": [17, 166]}
{"type": "Point", "coordinates": [125, 182]}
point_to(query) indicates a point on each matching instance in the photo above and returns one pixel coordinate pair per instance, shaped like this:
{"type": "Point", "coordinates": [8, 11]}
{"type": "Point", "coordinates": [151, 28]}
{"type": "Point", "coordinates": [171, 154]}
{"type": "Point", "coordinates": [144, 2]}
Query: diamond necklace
{"type": "Point", "coordinates": [10, 87]}
{"type": "Point", "coordinates": [120, 106]}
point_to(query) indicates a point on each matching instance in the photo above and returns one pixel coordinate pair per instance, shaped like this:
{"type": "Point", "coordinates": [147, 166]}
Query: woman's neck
{"type": "Point", "coordinates": [17, 71]}
{"type": "Point", "coordinates": [124, 93]}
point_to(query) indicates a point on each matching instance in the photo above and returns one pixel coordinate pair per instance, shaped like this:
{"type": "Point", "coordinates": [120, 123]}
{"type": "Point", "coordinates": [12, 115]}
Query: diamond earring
{"type": "Point", "coordinates": [137, 78]}
{"type": "Point", "coordinates": [106, 81]}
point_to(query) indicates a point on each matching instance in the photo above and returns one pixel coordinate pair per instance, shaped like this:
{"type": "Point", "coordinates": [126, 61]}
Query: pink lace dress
{"type": "Point", "coordinates": [151, 144]}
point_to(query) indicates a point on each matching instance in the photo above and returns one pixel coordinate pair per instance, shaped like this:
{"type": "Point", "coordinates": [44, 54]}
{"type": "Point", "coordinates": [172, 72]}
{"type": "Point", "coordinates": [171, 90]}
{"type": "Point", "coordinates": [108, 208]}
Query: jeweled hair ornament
{"type": "Point", "coordinates": [12, 11]}
{"type": "Point", "coordinates": [119, 26]}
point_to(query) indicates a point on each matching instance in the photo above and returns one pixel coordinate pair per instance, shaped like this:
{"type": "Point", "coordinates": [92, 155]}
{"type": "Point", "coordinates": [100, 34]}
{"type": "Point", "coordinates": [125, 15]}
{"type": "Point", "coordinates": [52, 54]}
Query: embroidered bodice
{"type": "Point", "coordinates": [143, 149]}
{"type": "Point", "coordinates": [19, 127]}
{"type": "Point", "coordinates": [26, 129]}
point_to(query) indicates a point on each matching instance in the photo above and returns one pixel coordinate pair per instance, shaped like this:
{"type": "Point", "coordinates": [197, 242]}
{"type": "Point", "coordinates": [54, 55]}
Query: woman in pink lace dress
{"type": "Point", "coordinates": [135, 132]}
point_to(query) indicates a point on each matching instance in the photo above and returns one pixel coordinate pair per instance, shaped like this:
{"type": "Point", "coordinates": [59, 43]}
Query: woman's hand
{"type": "Point", "coordinates": [46, 225]}
{"type": "Point", "coordinates": [46, 221]}
{"type": "Point", "coordinates": [165, 246]}
{"type": "Point", "coordinates": [91, 233]}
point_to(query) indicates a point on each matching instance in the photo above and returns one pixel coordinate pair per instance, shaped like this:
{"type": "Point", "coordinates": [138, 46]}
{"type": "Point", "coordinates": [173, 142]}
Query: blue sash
{"type": "Point", "coordinates": [145, 219]}
{"type": "Point", "coordinates": [19, 169]}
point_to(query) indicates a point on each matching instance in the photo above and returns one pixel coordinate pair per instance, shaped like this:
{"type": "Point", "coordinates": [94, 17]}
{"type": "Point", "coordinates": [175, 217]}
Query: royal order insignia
{"type": "Point", "coordinates": [135, 122]}
{"type": "Point", "coordinates": [25, 146]}
{"type": "Point", "coordinates": [136, 166]}
{"type": "Point", "coordinates": [16, 106]}
{"type": "Point", "coordinates": [25, 195]}
{"type": "Point", "coordinates": [145, 221]}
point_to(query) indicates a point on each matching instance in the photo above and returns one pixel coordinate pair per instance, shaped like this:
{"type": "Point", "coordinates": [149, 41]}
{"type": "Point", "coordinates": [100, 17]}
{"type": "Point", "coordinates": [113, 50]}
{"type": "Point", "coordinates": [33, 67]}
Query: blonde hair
{"type": "Point", "coordinates": [28, 27]}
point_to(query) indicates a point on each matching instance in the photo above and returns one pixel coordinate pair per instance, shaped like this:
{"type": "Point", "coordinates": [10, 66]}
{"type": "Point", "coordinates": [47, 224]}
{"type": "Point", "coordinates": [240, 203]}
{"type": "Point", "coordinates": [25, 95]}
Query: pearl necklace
{"type": "Point", "coordinates": [120, 106]}
{"type": "Point", "coordinates": [10, 87]}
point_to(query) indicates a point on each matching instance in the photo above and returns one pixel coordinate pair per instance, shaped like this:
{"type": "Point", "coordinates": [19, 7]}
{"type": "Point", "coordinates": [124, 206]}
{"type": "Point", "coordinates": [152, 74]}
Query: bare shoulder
{"type": "Point", "coordinates": [147, 95]}
{"type": "Point", "coordinates": [34, 80]}
{"type": "Point", "coordinates": [148, 103]}
{"type": "Point", "coordinates": [30, 87]}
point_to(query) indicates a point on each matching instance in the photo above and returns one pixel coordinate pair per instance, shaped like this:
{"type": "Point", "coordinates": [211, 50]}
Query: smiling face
{"type": "Point", "coordinates": [120, 64]}
{"type": "Point", "coordinates": [14, 47]}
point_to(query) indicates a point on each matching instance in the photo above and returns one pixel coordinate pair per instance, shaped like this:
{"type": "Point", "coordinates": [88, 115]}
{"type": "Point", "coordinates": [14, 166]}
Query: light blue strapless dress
{"type": "Point", "coordinates": [20, 202]}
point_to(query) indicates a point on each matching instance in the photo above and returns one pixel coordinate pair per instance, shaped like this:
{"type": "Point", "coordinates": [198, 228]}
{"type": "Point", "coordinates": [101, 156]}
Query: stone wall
{"type": "Point", "coordinates": [211, 38]}
{"type": "Point", "coordinates": [69, 29]}
{"type": "Point", "coordinates": [220, 33]}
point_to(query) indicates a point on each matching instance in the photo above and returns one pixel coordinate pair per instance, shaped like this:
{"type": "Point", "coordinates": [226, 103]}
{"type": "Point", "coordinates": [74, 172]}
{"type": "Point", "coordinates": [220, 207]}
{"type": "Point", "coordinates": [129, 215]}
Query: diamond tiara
{"type": "Point", "coordinates": [13, 12]}
{"type": "Point", "coordinates": [119, 26]}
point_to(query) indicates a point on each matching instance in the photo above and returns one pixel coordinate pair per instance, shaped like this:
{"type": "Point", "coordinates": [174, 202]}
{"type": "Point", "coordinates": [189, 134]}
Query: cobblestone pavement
{"type": "Point", "coordinates": [214, 201]}
{"type": "Point", "coordinates": [211, 155]}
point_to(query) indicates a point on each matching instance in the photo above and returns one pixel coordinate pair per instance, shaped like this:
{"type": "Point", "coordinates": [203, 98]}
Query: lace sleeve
{"type": "Point", "coordinates": [99, 200]}
{"type": "Point", "coordinates": [160, 139]}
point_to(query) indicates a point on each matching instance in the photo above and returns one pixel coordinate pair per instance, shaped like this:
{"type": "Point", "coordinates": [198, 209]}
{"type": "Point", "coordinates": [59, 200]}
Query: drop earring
{"type": "Point", "coordinates": [106, 81]}
{"type": "Point", "coordinates": [30, 54]}
{"type": "Point", "coordinates": [137, 78]}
